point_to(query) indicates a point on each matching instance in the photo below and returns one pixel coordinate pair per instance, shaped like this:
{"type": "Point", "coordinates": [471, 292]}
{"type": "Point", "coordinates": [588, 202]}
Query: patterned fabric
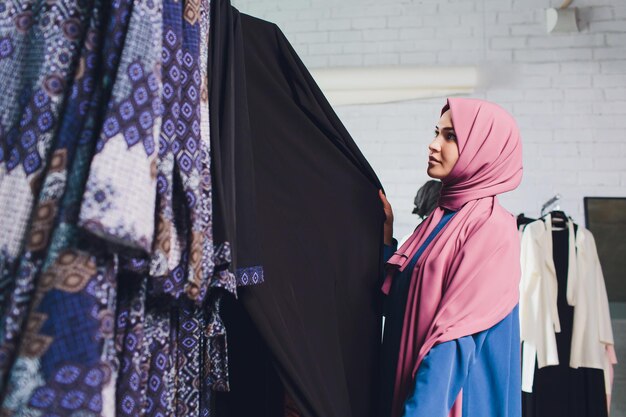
{"type": "Point", "coordinates": [250, 276]}
{"type": "Point", "coordinates": [109, 290]}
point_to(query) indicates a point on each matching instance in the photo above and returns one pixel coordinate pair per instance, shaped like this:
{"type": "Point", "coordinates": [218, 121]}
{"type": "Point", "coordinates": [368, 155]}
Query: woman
{"type": "Point", "coordinates": [451, 341]}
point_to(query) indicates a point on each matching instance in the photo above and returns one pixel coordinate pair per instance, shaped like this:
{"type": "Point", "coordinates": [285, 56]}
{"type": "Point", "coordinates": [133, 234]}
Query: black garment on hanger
{"type": "Point", "coordinates": [427, 197]}
{"type": "Point", "coordinates": [522, 220]}
{"type": "Point", "coordinates": [559, 218]}
{"type": "Point", "coordinates": [315, 321]}
{"type": "Point", "coordinates": [561, 391]}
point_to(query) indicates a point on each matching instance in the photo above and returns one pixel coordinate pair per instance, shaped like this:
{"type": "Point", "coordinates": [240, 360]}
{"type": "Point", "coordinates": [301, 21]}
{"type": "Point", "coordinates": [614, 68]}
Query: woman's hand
{"type": "Point", "coordinates": [388, 233]}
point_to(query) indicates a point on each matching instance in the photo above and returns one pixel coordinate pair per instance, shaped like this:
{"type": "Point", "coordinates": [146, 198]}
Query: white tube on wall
{"type": "Point", "coordinates": [368, 85]}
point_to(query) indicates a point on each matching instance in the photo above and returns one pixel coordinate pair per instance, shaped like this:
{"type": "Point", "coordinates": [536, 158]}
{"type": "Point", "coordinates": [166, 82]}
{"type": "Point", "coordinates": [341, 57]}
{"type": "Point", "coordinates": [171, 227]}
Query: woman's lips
{"type": "Point", "coordinates": [433, 160]}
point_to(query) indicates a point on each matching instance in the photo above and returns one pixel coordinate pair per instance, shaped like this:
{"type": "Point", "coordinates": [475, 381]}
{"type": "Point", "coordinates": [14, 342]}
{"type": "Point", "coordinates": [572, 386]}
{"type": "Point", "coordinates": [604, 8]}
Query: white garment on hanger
{"type": "Point", "coordinates": [592, 335]}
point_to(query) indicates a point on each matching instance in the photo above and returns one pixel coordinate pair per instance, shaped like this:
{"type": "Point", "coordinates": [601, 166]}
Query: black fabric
{"type": "Point", "coordinates": [255, 387]}
{"type": "Point", "coordinates": [560, 390]}
{"type": "Point", "coordinates": [522, 221]}
{"type": "Point", "coordinates": [427, 198]}
{"type": "Point", "coordinates": [232, 171]}
{"type": "Point", "coordinates": [394, 309]}
{"type": "Point", "coordinates": [320, 222]}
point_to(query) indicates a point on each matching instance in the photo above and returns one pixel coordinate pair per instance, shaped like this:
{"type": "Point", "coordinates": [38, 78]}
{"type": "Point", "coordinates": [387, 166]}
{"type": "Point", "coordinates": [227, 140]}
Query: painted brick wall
{"type": "Point", "coordinates": [567, 91]}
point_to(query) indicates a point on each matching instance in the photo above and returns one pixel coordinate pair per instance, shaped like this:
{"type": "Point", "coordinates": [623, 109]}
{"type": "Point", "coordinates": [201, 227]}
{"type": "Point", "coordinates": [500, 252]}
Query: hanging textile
{"type": "Point", "coordinates": [425, 200]}
{"type": "Point", "coordinates": [316, 316]}
{"type": "Point", "coordinates": [568, 351]}
{"type": "Point", "coordinates": [109, 304]}
{"type": "Point", "coordinates": [522, 221]}
{"type": "Point", "coordinates": [235, 223]}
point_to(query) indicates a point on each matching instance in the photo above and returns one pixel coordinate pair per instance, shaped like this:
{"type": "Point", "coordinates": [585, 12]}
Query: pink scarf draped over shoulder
{"type": "Point", "coordinates": [467, 279]}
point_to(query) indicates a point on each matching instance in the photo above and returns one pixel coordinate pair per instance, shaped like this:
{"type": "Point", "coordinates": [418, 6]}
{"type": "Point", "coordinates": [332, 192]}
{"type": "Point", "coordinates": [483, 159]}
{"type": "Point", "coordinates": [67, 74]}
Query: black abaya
{"type": "Point", "coordinates": [315, 319]}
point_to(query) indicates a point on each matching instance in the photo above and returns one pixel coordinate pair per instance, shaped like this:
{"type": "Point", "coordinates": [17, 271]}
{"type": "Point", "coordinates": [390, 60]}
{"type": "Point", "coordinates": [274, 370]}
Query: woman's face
{"type": "Point", "coordinates": [444, 150]}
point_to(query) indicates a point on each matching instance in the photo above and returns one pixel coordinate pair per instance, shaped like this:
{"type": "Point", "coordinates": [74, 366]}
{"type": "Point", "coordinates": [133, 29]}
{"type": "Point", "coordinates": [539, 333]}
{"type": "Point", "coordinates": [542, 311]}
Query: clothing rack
{"type": "Point", "coordinates": [550, 203]}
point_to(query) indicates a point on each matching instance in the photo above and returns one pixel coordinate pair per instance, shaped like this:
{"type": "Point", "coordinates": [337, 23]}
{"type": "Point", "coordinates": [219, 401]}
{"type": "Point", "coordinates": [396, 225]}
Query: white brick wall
{"type": "Point", "coordinates": [567, 91]}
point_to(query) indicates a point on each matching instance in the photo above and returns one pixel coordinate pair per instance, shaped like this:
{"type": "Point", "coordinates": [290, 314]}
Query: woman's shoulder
{"type": "Point", "coordinates": [490, 222]}
{"type": "Point", "coordinates": [491, 214]}
{"type": "Point", "coordinates": [502, 215]}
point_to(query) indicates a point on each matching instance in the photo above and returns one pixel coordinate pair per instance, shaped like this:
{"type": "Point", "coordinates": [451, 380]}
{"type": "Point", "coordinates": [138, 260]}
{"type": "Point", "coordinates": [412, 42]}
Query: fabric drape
{"type": "Point", "coordinates": [393, 309]}
{"type": "Point", "coordinates": [108, 298]}
{"type": "Point", "coordinates": [319, 225]}
{"type": "Point", "coordinates": [234, 217]}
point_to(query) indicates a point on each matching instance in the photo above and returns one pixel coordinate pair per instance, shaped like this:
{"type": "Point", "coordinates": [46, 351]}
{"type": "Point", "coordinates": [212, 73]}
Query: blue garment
{"type": "Point", "coordinates": [394, 307]}
{"type": "Point", "coordinates": [485, 365]}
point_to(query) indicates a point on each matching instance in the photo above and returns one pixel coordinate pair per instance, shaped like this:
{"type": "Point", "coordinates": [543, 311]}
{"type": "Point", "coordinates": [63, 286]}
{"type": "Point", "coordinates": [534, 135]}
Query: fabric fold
{"type": "Point", "coordinates": [319, 225]}
{"type": "Point", "coordinates": [108, 158]}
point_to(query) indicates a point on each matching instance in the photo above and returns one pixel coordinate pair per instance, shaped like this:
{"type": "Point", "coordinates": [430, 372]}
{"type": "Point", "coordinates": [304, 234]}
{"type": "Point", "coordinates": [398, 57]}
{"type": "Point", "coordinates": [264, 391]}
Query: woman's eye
{"type": "Point", "coordinates": [436, 133]}
{"type": "Point", "coordinates": [451, 136]}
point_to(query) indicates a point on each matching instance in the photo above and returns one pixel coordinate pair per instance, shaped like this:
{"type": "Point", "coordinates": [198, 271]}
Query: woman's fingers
{"type": "Point", "coordinates": [388, 229]}
{"type": "Point", "coordinates": [383, 198]}
{"type": "Point", "coordinates": [386, 206]}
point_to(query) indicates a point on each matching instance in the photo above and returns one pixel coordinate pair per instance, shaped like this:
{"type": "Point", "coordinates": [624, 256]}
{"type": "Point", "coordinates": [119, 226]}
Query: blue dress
{"type": "Point", "coordinates": [486, 365]}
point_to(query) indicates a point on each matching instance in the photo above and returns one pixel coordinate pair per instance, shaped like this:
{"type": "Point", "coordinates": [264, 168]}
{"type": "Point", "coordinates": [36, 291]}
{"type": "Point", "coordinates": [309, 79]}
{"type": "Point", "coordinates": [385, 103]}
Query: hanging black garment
{"type": "Point", "coordinates": [427, 198]}
{"type": "Point", "coordinates": [313, 325]}
{"type": "Point", "coordinates": [522, 221]}
{"type": "Point", "coordinates": [234, 203]}
{"type": "Point", "coordinates": [561, 391]}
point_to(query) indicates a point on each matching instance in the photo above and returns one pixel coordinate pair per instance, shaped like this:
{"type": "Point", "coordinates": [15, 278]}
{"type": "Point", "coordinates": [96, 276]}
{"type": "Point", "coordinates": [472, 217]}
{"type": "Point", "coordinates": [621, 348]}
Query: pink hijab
{"type": "Point", "coordinates": [466, 281]}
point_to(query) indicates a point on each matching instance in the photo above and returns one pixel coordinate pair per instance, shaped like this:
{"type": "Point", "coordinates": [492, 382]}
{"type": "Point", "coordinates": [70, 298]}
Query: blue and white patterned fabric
{"type": "Point", "coordinates": [109, 304]}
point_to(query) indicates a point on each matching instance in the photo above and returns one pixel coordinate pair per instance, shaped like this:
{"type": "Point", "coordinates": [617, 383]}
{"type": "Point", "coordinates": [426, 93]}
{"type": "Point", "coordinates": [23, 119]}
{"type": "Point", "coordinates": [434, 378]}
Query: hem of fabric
{"type": "Point", "coordinates": [250, 276]}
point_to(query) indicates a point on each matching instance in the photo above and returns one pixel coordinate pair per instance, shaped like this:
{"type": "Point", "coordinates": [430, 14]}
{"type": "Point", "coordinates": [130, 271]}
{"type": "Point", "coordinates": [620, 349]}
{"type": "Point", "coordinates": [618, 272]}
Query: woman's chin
{"type": "Point", "coordinates": [432, 173]}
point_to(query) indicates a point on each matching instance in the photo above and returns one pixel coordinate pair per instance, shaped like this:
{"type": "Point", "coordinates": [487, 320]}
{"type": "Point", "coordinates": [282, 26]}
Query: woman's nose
{"type": "Point", "coordinates": [434, 146]}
